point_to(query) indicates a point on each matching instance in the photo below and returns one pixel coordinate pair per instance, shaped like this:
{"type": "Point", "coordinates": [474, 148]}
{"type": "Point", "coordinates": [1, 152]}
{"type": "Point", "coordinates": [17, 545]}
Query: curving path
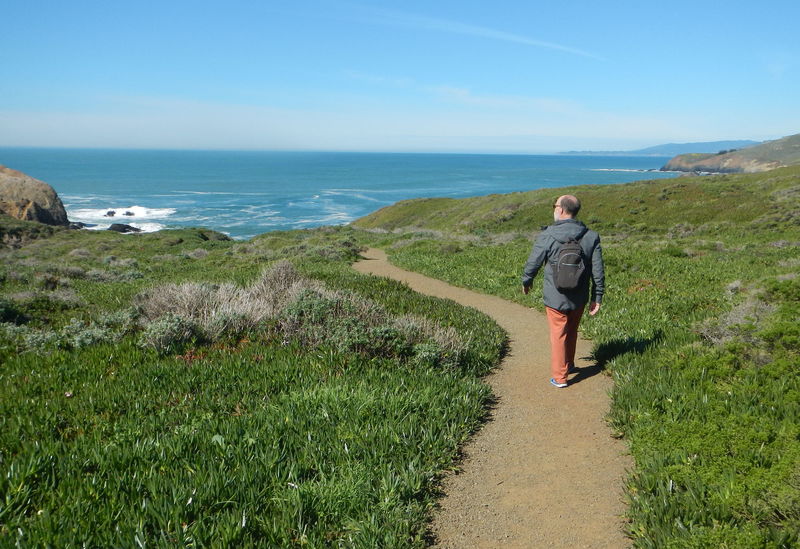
{"type": "Point", "coordinates": [544, 471]}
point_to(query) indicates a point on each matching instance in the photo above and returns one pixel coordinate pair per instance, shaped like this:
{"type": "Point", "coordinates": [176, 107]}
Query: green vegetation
{"type": "Point", "coordinates": [179, 388]}
{"type": "Point", "coordinates": [182, 389]}
{"type": "Point", "coordinates": [699, 330]}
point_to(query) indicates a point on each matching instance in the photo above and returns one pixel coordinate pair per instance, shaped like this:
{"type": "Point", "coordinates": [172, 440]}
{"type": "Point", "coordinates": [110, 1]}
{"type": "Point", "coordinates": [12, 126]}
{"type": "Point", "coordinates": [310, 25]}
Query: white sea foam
{"type": "Point", "coordinates": [143, 227]}
{"type": "Point", "coordinates": [129, 214]}
{"type": "Point", "coordinates": [619, 170]}
{"type": "Point", "coordinates": [219, 193]}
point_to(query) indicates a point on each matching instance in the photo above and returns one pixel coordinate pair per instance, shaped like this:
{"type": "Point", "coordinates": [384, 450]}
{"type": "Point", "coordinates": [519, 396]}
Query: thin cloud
{"type": "Point", "coordinates": [464, 96]}
{"type": "Point", "coordinates": [408, 20]}
{"type": "Point", "coordinates": [467, 97]}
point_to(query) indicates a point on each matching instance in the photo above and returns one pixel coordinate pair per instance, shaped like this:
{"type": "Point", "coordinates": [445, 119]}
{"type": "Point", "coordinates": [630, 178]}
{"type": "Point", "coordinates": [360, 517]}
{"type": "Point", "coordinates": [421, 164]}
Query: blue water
{"type": "Point", "coordinates": [244, 194]}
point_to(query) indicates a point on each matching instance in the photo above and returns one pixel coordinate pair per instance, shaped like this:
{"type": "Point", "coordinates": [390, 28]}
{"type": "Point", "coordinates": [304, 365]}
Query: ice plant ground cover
{"type": "Point", "coordinates": [155, 395]}
{"type": "Point", "coordinates": [700, 330]}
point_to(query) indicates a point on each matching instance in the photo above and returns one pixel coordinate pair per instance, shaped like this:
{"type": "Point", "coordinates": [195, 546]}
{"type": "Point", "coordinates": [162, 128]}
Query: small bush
{"type": "Point", "coordinates": [168, 334]}
{"type": "Point", "coordinates": [225, 309]}
{"type": "Point", "coordinates": [12, 334]}
{"type": "Point", "coordinates": [77, 334]}
{"type": "Point", "coordinates": [39, 340]}
{"type": "Point", "coordinates": [427, 354]}
{"type": "Point", "coordinates": [121, 322]}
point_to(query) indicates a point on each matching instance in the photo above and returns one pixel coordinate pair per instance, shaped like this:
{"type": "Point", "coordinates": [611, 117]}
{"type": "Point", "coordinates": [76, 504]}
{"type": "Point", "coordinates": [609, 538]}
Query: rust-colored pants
{"type": "Point", "coordinates": [563, 337]}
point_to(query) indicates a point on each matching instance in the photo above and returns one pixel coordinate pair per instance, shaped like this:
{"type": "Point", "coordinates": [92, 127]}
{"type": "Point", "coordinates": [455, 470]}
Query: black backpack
{"type": "Point", "coordinates": [569, 264]}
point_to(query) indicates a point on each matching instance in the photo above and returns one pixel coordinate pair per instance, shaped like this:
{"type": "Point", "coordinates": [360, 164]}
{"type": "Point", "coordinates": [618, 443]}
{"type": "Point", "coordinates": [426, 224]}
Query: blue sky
{"type": "Point", "coordinates": [445, 76]}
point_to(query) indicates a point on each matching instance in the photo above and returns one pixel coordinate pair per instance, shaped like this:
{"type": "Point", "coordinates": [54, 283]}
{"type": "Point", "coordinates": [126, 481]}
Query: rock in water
{"type": "Point", "coordinates": [24, 197]}
{"type": "Point", "coordinates": [123, 228]}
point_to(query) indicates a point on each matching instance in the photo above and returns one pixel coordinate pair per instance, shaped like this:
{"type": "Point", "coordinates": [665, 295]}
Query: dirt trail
{"type": "Point", "coordinates": [544, 472]}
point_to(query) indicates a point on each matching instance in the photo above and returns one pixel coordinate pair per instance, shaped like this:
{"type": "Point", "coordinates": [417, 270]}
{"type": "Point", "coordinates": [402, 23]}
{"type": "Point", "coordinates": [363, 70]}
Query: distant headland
{"type": "Point", "coordinates": [759, 158]}
{"type": "Point", "coordinates": [672, 149]}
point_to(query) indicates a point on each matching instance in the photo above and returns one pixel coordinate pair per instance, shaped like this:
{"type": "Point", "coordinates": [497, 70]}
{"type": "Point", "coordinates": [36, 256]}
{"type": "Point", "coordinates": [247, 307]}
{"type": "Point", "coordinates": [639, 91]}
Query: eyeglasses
{"type": "Point", "coordinates": [556, 205]}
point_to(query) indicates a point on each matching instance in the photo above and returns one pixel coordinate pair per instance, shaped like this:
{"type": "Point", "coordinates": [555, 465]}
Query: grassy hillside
{"type": "Point", "coordinates": [649, 207]}
{"type": "Point", "coordinates": [182, 389]}
{"type": "Point", "coordinates": [700, 329]}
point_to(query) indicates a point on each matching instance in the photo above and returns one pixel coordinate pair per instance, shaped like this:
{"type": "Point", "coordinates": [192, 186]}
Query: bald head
{"type": "Point", "coordinates": [568, 205]}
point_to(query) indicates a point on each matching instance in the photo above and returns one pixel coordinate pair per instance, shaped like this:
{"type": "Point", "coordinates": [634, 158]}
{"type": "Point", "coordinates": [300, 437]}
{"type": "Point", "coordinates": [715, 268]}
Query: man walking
{"type": "Point", "coordinates": [565, 304]}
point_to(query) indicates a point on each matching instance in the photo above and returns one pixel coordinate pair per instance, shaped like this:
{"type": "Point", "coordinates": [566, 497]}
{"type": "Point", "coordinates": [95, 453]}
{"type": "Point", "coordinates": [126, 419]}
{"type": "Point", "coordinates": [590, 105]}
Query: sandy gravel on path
{"type": "Point", "coordinates": [544, 471]}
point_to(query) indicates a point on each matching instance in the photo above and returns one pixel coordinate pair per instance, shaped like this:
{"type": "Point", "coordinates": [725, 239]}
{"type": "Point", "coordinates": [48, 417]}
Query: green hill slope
{"type": "Point", "coordinates": [700, 329]}
{"type": "Point", "coordinates": [649, 206]}
{"type": "Point", "coordinates": [764, 157]}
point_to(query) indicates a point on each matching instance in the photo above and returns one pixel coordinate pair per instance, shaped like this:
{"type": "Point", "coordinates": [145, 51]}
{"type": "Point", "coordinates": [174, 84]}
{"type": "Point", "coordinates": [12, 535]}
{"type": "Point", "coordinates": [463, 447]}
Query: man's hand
{"type": "Point", "coordinates": [526, 289]}
{"type": "Point", "coordinates": [594, 307]}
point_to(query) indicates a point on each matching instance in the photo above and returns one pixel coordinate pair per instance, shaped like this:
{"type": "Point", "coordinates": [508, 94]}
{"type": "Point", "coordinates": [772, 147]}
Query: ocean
{"type": "Point", "coordinates": [243, 194]}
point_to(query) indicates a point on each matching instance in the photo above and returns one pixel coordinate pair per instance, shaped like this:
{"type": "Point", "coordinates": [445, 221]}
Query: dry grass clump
{"type": "Point", "coordinates": [71, 271]}
{"type": "Point", "coordinates": [58, 299]}
{"type": "Point", "coordinates": [114, 261]}
{"type": "Point", "coordinates": [198, 253]}
{"type": "Point", "coordinates": [82, 253]}
{"type": "Point", "coordinates": [740, 322]}
{"type": "Point", "coordinates": [99, 275]}
{"type": "Point", "coordinates": [165, 257]}
{"type": "Point", "coordinates": [299, 309]}
{"type": "Point", "coordinates": [223, 309]}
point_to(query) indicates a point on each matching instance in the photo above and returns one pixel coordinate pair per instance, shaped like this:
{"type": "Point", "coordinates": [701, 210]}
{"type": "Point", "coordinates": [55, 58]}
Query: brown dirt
{"type": "Point", "coordinates": [544, 471]}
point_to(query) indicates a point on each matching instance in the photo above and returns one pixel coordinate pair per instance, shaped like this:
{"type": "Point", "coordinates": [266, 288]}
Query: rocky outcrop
{"type": "Point", "coordinates": [24, 197]}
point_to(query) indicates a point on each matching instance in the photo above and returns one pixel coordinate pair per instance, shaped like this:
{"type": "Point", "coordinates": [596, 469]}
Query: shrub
{"type": "Point", "coordinates": [218, 310]}
{"type": "Point", "coordinates": [353, 323]}
{"type": "Point", "coordinates": [12, 335]}
{"type": "Point", "coordinates": [121, 322]}
{"type": "Point", "coordinates": [277, 286]}
{"type": "Point", "coordinates": [39, 340]}
{"type": "Point", "coordinates": [168, 333]}
{"type": "Point", "coordinates": [427, 354]}
{"type": "Point", "coordinates": [77, 334]}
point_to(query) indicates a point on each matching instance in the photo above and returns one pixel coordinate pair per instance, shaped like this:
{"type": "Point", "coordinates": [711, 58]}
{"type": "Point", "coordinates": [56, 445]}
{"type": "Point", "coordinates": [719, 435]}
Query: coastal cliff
{"type": "Point", "coordinates": [26, 198]}
{"type": "Point", "coordinates": [760, 158]}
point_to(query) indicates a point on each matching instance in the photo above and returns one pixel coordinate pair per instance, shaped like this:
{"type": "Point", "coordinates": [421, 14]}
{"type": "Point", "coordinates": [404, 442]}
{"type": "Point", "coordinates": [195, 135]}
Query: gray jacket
{"type": "Point", "coordinates": [545, 251]}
